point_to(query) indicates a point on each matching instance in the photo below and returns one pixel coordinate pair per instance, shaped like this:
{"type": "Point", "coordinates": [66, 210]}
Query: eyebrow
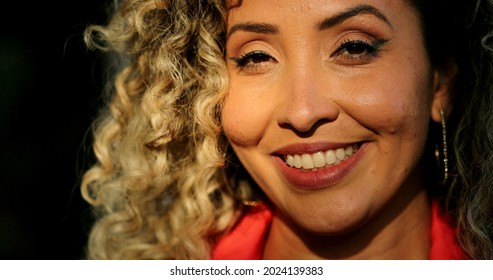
{"type": "Point", "coordinates": [269, 29]}
{"type": "Point", "coordinates": [261, 28]}
{"type": "Point", "coordinates": [352, 12]}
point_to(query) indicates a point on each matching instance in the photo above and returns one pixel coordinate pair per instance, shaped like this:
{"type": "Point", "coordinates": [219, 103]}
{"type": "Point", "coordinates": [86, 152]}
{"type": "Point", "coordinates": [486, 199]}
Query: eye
{"type": "Point", "coordinates": [355, 52]}
{"type": "Point", "coordinates": [253, 61]}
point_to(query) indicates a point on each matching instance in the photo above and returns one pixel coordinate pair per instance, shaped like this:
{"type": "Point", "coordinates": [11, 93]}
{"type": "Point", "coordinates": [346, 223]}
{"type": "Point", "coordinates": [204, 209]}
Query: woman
{"type": "Point", "coordinates": [295, 130]}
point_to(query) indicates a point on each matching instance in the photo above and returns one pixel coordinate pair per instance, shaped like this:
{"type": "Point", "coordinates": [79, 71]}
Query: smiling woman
{"type": "Point", "coordinates": [295, 130]}
{"type": "Point", "coordinates": [326, 85]}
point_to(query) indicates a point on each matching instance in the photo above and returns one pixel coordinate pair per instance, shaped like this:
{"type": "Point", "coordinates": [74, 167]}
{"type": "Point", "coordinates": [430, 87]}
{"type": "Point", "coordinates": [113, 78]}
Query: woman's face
{"type": "Point", "coordinates": [329, 105]}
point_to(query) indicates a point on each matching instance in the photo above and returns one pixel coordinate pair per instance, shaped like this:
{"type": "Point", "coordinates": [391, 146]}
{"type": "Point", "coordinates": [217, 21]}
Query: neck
{"type": "Point", "coordinates": [398, 232]}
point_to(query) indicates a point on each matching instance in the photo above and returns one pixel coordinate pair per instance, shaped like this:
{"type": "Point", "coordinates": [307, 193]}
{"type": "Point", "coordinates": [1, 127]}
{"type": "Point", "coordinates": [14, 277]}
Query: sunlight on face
{"type": "Point", "coordinates": [328, 106]}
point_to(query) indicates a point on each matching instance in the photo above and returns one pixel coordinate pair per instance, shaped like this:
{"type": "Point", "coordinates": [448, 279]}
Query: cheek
{"type": "Point", "coordinates": [245, 116]}
{"type": "Point", "coordinates": [396, 102]}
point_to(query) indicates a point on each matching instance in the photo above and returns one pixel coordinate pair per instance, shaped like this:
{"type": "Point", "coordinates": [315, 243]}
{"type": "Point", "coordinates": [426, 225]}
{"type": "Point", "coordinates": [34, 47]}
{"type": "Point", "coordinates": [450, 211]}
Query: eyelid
{"type": "Point", "coordinates": [240, 59]}
{"type": "Point", "coordinates": [244, 43]}
{"type": "Point", "coordinates": [374, 43]}
{"type": "Point", "coordinates": [370, 49]}
{"type": "Point", "coordinates": [254, 62]}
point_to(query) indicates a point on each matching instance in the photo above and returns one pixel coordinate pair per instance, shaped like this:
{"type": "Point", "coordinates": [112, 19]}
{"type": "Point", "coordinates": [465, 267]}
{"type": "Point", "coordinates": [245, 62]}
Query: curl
{"type": "Point", "coordinates": [158, 185]}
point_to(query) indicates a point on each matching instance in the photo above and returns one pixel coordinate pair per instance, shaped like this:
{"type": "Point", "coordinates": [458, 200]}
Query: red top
{"type": "Point", "coordinates": [247, 240]}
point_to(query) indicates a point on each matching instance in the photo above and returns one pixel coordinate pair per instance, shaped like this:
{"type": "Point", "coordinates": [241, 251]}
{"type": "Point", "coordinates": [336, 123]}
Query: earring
{"type": "Point", "coordinates": [250, 203]}
{"type": "Point", "coordinates": [444, 149]}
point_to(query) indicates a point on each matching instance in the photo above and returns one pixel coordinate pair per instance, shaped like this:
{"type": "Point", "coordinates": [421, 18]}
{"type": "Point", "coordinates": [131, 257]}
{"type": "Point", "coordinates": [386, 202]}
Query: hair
{"type": "Point", "coordinates": [166, 185]}
{"type": "Point", "coordinates": [460, 33]}
{"type": "Point", "coordinates": [158, 186]}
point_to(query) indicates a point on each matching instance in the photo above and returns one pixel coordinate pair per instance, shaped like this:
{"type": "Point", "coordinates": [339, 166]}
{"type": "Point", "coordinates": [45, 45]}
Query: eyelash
{"type": "Point", "coordinates": [366, 51]}
{"type": "Point", "coordinates": [245, 59]}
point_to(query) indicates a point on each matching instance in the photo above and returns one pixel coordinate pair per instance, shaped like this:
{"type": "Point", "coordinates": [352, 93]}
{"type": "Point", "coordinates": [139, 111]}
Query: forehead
{"type": "Point", "coordinates": [304, 11]}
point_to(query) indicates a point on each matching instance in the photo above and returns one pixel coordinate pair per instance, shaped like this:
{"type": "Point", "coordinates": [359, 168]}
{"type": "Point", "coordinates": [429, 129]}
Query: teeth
{"type": "Point", "coordinates": [330, 157]}
{"type": "Point", "coordinates": [320, 159]}
{"type": "Point", "coordinates": [307, 161]}
{"type": "Point", "coordinates": [340, 154]}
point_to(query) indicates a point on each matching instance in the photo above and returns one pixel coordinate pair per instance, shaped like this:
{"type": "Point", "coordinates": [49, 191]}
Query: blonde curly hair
{"type": "Point", "coordinates": [159, 185]}
{"type": "Point", "coordinates": [166, 185]}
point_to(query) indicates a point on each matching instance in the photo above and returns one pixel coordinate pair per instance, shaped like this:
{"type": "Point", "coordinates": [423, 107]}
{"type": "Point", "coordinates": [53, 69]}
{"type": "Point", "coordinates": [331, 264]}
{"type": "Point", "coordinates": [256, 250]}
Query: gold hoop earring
{"type": "Point", "coordinates": [250, 203]}
{"type": "Point", "coordinates": [444, 149]}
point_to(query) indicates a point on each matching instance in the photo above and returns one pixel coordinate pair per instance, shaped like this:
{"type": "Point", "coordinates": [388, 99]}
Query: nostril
{"type": "Point", "coordinates": [307, 131]}
{"type": "Point", "coordinates": [305, 115]}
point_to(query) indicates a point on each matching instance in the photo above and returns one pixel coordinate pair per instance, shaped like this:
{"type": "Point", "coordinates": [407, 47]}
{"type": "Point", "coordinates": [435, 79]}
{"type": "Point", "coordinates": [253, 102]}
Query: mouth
{"type": "Point", "coordinates": [320, 159]}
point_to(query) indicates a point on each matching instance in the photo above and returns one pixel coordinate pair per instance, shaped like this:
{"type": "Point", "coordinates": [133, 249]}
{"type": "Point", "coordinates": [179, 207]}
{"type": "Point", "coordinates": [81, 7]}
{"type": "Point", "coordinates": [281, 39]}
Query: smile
{"type": "Point", "coordinates": [321, 159]}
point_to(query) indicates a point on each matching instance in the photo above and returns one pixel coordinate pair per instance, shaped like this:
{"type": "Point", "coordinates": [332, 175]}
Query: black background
{"type": "Point", "coordinates": [50, 88]}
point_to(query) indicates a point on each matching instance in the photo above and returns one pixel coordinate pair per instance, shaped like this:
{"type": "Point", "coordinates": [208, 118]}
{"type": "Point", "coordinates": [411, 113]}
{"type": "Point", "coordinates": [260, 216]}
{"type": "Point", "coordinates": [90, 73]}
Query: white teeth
{"type": "Point", "coordinates": [320, 159]}
{"type": "Point", "coordinates": [290, 160]}
{"type": "Point", "coordinates": [297, 161]}
{"type": "Point", "coordinates": [307, 161]}
{"type": "Point", "coordinates": [330, 157]}
{"type": "Point", "coordinates": [340, 154]}
{"type": "Point", "coordinates": [349, 150]}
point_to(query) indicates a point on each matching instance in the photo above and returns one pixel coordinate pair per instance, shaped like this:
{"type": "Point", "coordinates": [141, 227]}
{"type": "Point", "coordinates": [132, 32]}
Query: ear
{"type": "Point", "coordinates": [442, 84]}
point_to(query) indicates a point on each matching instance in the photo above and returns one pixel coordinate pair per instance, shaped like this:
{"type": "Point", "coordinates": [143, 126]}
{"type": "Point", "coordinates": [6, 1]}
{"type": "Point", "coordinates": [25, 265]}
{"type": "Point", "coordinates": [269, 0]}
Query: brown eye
{"type": "Point", "coordinates": [254, 57]}
{"type": "Point", "coordinates": [355, 52]}
{"type": "Point", "coordinates": [358, 48]}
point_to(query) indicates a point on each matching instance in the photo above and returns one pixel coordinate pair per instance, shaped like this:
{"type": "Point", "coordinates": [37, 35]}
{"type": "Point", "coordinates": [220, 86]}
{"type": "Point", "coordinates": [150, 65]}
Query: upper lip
{"type": "Point", "coordinates": [310, 148]}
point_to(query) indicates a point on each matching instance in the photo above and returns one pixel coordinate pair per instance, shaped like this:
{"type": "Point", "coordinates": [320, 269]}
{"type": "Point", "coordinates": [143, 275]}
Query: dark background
{"type": "Point", "coordinates": [50, 87]}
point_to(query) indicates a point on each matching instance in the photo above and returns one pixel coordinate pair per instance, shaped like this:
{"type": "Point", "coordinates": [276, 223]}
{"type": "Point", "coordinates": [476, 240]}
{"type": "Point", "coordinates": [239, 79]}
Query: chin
{"type": "Point", "coordinates": [332, 221]}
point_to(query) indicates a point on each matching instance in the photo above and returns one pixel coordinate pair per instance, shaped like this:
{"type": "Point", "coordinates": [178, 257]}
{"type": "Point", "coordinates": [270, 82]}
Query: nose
{"type": "Point", "coordinates": [307, 101]}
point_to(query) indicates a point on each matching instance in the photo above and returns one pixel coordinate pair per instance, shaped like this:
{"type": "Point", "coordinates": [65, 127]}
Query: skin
{"type": "Point", "coordinates": [309, 86]}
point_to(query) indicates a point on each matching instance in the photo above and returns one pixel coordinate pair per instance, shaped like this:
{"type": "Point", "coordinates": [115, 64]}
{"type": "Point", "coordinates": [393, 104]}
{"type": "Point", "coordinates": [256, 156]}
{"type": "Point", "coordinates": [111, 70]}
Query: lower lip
{"type": "Point", "coordinates": [322, 178]}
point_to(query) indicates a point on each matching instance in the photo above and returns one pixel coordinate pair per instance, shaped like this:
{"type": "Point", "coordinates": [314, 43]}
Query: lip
{"type": "Point", "coordinates": [321, 178]}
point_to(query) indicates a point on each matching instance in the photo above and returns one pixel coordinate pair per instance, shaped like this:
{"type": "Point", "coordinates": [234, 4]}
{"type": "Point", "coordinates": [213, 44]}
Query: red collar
{"type": "Point", "coordinates": [246, 241]}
